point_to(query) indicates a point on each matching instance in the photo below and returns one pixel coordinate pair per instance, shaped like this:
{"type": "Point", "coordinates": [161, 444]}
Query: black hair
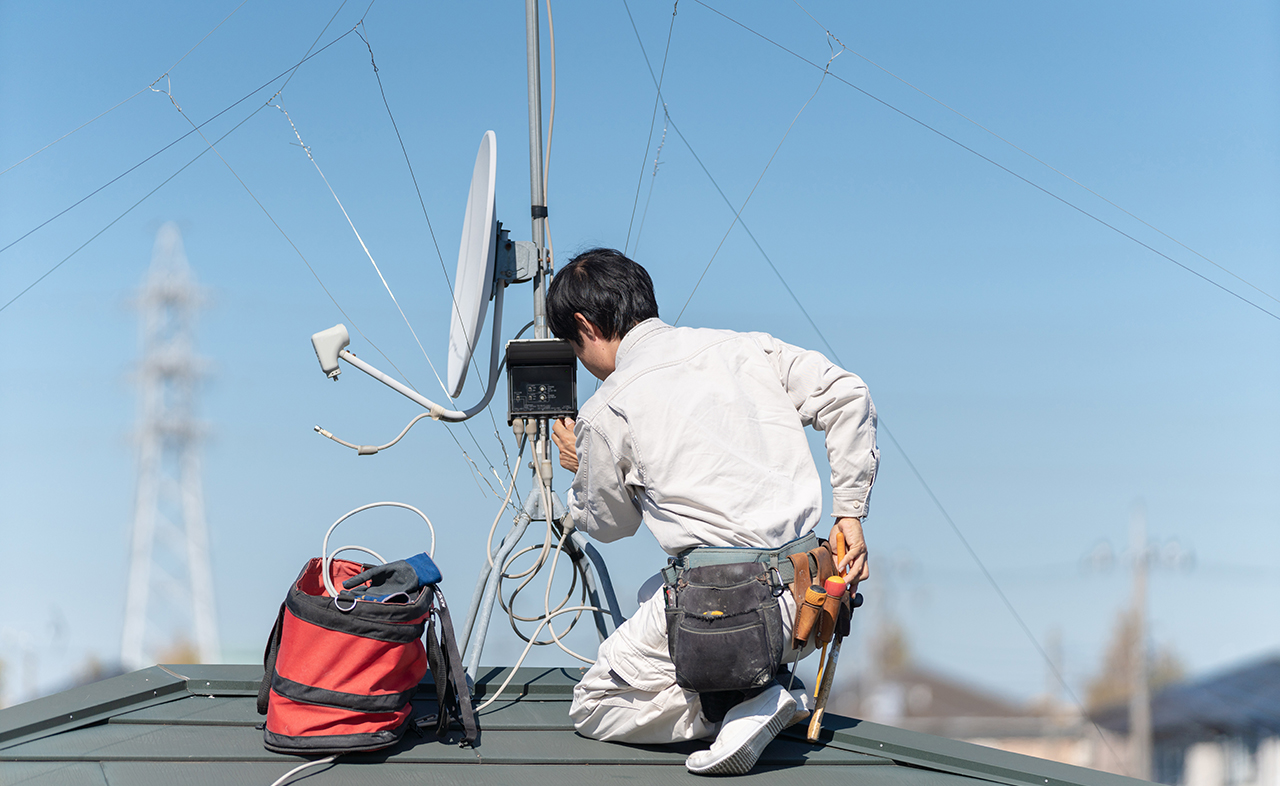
{"type": "Point", "coordinates": [611, 291]}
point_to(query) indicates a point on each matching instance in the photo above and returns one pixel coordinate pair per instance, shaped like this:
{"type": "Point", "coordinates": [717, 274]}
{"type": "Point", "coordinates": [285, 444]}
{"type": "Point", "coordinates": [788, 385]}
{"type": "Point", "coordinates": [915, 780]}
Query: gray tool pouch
{"type": "Point", "coordinates": [724, 629]}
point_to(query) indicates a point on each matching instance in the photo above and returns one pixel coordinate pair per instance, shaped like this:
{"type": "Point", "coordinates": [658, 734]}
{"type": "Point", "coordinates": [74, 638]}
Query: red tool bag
{"type": "Point", "coordinates": [340, 672]}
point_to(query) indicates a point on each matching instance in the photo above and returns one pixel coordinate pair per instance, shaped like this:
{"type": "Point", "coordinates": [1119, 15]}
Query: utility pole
{"type": "Point", "coordinates": [170, 591]}
{"type": "Point", "coordinates": [1140, 683]}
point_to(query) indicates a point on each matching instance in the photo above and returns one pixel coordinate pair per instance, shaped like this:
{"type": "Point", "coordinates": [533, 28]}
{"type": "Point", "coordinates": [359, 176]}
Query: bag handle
{"type": "Point", "coordinates": [452, 692]}
{"type": "Point", "coordinates": [269, 662]}
{"type": "Point", "coordinates": [328, 557]}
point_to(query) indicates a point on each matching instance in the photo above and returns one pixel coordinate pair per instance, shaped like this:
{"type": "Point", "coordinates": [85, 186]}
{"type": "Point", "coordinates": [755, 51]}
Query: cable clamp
{"type": "Point", "coordinates": [538, 211]}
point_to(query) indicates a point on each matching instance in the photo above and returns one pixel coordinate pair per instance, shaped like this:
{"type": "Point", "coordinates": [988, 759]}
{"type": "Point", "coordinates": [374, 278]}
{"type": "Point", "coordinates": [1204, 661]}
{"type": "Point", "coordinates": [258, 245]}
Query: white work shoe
{"type": "Point", "coordinates": [804, 707]}
{"type": "Point", "coordinates": [746, 730]}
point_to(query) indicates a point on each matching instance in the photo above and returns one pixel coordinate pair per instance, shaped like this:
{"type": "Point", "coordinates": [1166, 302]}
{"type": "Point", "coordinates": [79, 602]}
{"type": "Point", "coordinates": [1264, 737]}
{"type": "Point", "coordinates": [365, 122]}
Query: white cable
{"type": "Point", "coordinates": [551, 128]}
{"type": "Point", "coordinates": [527, 647]}
{"type": "Point", "coordinates": [284, 778]}
{"type": "Point", "coordinates": [545, 549]}
{"type": "Point", "coordinates": [551, 122]}
{"type": "Point", "coordinates": [530, 574]}
{"type": "Point", "coordinates": [378, 270]}
{"type": "Point", "coordinates": [568, 530]}
{"type": "Point", "coordinates": [508, 604]}
{"type": "Point", "coordinates": [327, 564]}
{"type": "Point", "coordinates": [547, 601]}
{"type": "Point", "coordinates": [515, 473]}
{"type": "Point", "coordinates": [324, 549]}
{"type": "Point", "coordinates": [368, 450]}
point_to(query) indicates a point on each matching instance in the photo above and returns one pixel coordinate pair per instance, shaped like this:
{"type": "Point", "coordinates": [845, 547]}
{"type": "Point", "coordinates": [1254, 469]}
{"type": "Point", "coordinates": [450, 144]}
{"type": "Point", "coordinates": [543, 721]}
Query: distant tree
{"type": "Point", "coordinates": [890, 649]}
{"type": "Point", "coordinates": [1111, 685]}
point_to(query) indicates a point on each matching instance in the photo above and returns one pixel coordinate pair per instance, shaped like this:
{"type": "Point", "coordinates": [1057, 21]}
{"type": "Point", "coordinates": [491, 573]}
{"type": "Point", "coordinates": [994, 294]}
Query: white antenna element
{"type": "Point", "coordinates": [476, 252]}
{"type": "Point", "coordinates": [479, 256]}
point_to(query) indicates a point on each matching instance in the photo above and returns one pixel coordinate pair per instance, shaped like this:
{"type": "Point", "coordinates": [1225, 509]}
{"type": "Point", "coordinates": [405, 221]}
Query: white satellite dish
{"type": "Point", "coordinates": [473, 285]}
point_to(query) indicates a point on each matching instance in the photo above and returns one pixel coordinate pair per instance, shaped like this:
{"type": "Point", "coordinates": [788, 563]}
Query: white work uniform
{"type": "Point", "coordinates": [699, 434]}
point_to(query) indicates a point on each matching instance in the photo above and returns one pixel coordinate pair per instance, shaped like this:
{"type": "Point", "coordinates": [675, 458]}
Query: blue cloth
{"type": "Point", "coordinates": [426, 569]}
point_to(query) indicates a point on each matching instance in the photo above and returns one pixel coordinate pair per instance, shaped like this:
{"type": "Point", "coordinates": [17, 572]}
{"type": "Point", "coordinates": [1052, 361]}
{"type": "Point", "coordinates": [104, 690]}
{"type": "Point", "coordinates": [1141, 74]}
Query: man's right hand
{"type": "Point", "coordinates": [855, 558]}
{"type": "Point", "coordinates": [562, 435]}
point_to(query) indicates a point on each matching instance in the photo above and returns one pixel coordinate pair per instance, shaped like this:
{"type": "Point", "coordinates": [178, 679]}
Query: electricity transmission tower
{"type": "Point", "coordinates": [170, 593]}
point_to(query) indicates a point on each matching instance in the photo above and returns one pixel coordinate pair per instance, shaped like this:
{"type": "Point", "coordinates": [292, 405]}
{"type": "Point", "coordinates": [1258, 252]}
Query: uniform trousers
{"type": "Point", "coordinates": [631, 695]}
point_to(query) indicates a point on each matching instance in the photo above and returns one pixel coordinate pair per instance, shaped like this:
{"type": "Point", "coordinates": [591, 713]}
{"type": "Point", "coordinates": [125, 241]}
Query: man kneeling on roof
{"type": "Point", "coordinates": [699, 434]}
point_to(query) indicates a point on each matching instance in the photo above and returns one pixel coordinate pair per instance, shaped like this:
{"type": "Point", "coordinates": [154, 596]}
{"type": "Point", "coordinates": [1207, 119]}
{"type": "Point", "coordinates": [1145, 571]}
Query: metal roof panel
{"type": "Point", "coordinates": [198, 724]}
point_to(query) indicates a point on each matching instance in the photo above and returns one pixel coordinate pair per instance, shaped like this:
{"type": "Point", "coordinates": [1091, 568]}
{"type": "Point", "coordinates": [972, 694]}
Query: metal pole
{"type": "Point", "coordinates": [482, 613]}
{"type": "Point", "coordinates": [538, 207]}
{"type": "Point", "coordinates": [1140, 692]}
{"type": "Point", "coordinates": [538, 212]}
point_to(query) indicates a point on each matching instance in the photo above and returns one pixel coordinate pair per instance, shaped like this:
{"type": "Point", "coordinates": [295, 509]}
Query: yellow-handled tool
{"type": "Point", "coordinates": [827, 670]}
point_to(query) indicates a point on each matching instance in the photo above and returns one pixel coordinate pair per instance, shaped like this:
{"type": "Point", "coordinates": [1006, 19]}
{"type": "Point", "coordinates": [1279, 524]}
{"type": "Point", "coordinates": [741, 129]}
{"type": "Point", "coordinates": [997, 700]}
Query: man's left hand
{"type": "Point", "coordinates": [855, 556]}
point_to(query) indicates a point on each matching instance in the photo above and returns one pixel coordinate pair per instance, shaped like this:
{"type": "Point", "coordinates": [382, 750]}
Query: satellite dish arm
{"type": "Point", "coordinates": [338, 336]}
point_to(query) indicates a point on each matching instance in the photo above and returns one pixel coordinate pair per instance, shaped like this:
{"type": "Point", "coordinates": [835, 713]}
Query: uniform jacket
{"type": "Point", "coordinates": [700, 435]}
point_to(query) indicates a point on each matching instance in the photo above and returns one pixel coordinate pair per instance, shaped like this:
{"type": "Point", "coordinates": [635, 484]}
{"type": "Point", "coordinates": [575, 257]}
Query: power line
{"type": "Point", "coordinates": [1033, 157]}
{"type": "Point", "coordinates": [246, 97]}
{"type": "Point", "coordinates": [1002, 167]}
{"type": "Point", "coordinates": [122, 103]}
{"type": "Point", "coordinates": [883, 426]}
{"type": "Point", "coordinates": [738, 214]}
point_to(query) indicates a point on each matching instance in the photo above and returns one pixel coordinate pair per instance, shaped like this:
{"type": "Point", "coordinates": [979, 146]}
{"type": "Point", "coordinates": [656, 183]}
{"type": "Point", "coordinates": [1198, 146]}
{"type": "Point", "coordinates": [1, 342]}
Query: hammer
{"type": "Point", "coordinates": [827, 675]}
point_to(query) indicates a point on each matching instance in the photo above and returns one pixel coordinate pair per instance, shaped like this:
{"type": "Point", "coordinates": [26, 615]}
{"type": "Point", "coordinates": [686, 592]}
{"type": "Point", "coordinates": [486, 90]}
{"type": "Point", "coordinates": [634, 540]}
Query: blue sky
{"type": "Point", "coordinates": [1041, 371]}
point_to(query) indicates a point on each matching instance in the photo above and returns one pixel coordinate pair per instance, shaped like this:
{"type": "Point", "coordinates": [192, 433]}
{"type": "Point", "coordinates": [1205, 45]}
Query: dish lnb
{"type": "Point", "coordinates": [327, 344]}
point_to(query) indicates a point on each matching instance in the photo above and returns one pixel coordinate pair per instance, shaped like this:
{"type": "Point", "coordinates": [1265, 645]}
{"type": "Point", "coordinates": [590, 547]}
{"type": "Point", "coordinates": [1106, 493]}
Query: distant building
{"type": "Point", "coordinates": [1223, 730]}
{"type": "Point", "coordinates": [919, 699]}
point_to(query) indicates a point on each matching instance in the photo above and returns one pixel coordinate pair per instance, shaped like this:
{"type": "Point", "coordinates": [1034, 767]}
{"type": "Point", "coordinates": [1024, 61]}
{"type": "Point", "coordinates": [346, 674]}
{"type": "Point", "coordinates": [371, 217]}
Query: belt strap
{"type": "Point", "coordinates": [724, 555]}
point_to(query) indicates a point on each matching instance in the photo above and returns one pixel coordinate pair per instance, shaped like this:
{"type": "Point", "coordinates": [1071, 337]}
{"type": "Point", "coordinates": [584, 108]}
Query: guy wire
{"type": "Point", "coordinates": [920, 477]}
{"type": "Point", "coordinates": [738, 214]}
{"type": "Point", "coordinates": [307, 149]}
{"type": "Point", "coordinates": [1004, 168]}
{"type": "Point", "coordinates": [653, 179]}
{"type": "Point", "coordinates": [506, 459]}
{"type": "Point", "coordinates": [313, 46]}
{"type": "Point", "coordinates": [1033, 157]}
{"type": "Point", "coordinates": [210, 146]}
{"type": "Point", "coordinates": [246, 97]}
{"type": "Point", "coordinates": [657, 99]}
{"type": "Point", "coordinates": [127, 100]}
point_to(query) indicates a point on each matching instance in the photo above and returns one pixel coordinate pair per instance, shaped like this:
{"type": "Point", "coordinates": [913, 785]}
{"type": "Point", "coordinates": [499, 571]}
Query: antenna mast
{"type": "Point", "coordinates": [538, 206]}
{"type": "Point", "coordinates": [538, 211]}
{"type": "Point", "coordinates": [170, 591]}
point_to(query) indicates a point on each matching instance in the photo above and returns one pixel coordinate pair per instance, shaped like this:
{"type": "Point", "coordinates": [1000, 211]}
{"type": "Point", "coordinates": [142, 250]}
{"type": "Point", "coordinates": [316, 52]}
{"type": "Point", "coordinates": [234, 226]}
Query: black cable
{"type": "Point", "coordinates": [440, 255]}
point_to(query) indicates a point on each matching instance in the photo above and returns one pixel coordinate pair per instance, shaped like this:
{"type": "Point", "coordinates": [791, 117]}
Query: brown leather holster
{"type": "Point", "coordinates": [812, 569]}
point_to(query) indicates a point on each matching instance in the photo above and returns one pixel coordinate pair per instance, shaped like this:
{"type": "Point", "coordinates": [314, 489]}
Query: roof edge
{"type": "Point", "coordinates": [961, 758]}
{"type": "Point", "coordinates": [85, 705]}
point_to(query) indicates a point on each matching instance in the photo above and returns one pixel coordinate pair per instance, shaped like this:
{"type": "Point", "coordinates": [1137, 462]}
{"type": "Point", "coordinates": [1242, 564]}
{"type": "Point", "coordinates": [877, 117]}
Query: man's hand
{"type": "Point", "coordinates": [855, 557]}
{"type": "Point", "coordinates": [562, 435]}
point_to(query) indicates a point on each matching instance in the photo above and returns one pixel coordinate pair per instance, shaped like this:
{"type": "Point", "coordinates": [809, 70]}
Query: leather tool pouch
{"type": "Point", "coordinates": [812, 568]}
{"type": "Point", "coordinates": [724, 630]}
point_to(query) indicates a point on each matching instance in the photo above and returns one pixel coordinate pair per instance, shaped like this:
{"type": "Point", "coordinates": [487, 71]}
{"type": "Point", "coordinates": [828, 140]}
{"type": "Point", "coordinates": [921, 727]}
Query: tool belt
{"type": "Point", "coordinates": [773, 559]}
{"type": "Point", "coordinates": [701, 588]}
{"type": "Point", "coordinates": [817, 613]}
{"type": "Point", "coordinates": [724, 631]}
